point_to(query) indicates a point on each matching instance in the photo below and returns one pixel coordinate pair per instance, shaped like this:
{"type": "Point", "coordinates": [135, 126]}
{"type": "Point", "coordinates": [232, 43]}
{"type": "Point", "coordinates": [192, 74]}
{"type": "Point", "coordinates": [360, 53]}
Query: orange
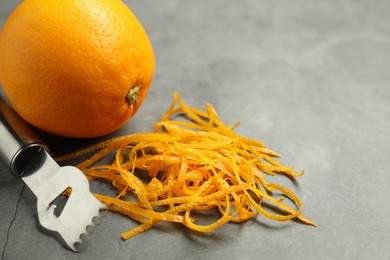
{"type": "Point", "coordinates": [75, 68]}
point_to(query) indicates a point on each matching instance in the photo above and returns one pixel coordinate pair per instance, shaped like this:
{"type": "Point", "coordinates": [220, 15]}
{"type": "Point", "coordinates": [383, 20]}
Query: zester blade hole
{"type": "Point", "coordinates": [77, 246]}
{"type": "Point", "coordinates": [60, 202]}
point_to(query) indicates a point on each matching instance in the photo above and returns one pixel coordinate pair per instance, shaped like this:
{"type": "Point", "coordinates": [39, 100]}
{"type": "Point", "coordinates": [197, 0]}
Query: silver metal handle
{"type": "Point", "coordinates": [18, 143]}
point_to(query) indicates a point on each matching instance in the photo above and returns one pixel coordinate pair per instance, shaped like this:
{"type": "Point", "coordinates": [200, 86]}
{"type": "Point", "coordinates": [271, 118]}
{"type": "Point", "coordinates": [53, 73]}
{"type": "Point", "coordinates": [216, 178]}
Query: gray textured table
{"type": "Point", "coordinates": [311, 79]}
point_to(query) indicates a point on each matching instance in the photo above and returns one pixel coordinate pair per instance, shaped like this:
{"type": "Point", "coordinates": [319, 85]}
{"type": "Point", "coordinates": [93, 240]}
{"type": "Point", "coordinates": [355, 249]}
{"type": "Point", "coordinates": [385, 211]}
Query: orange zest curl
{"type": "Point", "coordinates": [190, 166]}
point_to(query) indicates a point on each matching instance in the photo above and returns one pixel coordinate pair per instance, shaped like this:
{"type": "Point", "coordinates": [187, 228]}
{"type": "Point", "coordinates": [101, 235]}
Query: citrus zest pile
{"type": "Point", "coordinates": [190, 166]}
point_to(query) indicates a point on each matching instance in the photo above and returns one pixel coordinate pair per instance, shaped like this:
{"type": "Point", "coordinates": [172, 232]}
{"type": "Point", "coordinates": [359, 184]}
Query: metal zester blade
{"type": "Point", "coordinates": [29, 159]}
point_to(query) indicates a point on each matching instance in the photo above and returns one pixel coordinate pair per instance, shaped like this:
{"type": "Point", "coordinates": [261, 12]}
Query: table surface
{"type": "Point", "coordinates": [308, 78]}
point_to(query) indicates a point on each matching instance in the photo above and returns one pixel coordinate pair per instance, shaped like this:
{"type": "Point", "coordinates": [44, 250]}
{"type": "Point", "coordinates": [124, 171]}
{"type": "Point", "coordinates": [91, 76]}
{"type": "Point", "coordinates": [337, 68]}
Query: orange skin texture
{"type": "Point", "coordinates": [66, 66]}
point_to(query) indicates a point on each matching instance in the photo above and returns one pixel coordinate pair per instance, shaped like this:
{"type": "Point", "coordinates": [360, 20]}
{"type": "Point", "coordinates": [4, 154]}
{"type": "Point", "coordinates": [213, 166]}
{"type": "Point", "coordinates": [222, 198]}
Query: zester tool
{"type": "Point", "coordinates": [29, 159]}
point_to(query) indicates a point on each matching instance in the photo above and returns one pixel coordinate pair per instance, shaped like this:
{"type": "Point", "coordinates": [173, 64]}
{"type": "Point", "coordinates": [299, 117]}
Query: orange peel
{"type": "Point", "coordinates": [194, 165]}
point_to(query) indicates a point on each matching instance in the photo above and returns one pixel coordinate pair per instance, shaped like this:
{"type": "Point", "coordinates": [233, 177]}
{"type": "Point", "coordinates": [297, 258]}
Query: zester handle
{"type": "Point", "coordinates": [18, 143]}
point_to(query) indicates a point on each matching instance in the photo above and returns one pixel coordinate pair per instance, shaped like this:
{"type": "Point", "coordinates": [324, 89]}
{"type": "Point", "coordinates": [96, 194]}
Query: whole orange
{"type": "Point", "coordinates": [75, 68]}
